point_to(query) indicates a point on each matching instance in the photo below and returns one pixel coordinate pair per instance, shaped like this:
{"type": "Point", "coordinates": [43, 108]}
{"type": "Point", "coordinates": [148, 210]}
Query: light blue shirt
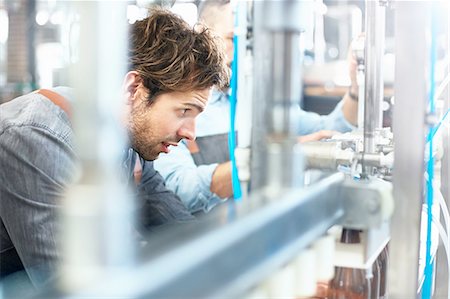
{"type": "Point", "coordinates": [192, 183]}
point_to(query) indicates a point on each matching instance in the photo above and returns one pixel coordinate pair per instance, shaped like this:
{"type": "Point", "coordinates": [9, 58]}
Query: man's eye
{"type": "Point", "coordinates": [184, 111]}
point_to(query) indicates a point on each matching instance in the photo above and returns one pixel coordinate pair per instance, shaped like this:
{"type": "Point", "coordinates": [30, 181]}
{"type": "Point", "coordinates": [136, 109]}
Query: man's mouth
{"type": "Point", "coordinates": [166, 146]}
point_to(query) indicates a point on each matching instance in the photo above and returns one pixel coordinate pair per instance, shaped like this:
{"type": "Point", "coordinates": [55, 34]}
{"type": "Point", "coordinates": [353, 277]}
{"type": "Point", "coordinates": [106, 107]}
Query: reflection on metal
{"type": "Point", "coordinates": [411, 26]}
{"type": "Point", "coordinates": [332, 154]}
{"type": "Point", "coordinates": [244, 16]}
{"type": "Point", "coordinates": [374, 51]}
{"type": "Point", "coordinates": [326, 155]}
{"type": "Point", "coordinates": [261, 64]}
{"type": "Point", "coordinates": [284, 164]}
{"type": "Point", "coordinates": [358, 48]}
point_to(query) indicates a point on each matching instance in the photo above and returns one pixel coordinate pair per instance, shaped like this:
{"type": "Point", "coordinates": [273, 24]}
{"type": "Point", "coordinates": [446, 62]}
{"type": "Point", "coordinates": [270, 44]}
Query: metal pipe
{"type": "Point", "coordinates": [261, 63]}
{"type": "Point", "coordinates": [326, 155]}
{"type": "Point", "coordinates": [277, 30]}
{"type": "Point", "coordinates": [97, 211]}
{"type": "Point", "coordinates": [374, 51]}
{"type": "Point", "coordinates": [329, 155]}
{"type": "Point", "coordinates": [411, 23]}
{"type": "Point", "coordinates": [284, 93]}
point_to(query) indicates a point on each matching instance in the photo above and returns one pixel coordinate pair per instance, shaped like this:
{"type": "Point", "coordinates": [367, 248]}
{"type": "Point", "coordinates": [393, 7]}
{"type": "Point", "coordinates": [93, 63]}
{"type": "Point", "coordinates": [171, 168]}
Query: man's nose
{"type": "Point", "coordinates": [187, 130]}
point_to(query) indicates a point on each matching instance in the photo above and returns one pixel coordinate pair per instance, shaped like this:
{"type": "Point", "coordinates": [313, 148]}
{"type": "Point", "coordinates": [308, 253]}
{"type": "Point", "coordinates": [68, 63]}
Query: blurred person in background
{"type": "Point", "coordinates": [199, 171]}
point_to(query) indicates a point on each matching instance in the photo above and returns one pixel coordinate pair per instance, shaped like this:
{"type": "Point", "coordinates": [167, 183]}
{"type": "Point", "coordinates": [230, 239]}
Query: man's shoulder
{"type": "Point", "coordinates": [67, 92]}
{"type": "Point", "coordinates": [31, 110]}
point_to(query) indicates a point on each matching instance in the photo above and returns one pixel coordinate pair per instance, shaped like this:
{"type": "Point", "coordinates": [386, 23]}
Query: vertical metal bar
{"type": "Point", "coordinates": [97, 212]}
{"type": "Point", "coordinates": [285, 75]}
{"type": "Point", "coordinates": [261, 50]}
{"type": "Point", "coordinates": [374, 51]}
{"type": "Point", "coordinates": [244, 92]}
{"type": "Point", "coordinates": [275, 155]}
{"type": "Point", "coordinates": [411, 23]}
{"type": "Point", "coordinates": [284, 158]}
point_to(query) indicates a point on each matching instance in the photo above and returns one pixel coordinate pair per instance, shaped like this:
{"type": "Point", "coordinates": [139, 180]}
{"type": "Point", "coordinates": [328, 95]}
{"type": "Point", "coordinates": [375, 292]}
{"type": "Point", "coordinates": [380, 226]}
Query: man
{"type": "Point", "coordinates": [172, 69]}
{"type": "Point", "coordinates": [200, 172]}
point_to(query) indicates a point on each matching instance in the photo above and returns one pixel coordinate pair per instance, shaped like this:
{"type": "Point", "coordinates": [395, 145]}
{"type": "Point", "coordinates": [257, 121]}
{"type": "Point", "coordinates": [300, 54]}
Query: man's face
{"type": "Point", "coordinates": [163, 123]}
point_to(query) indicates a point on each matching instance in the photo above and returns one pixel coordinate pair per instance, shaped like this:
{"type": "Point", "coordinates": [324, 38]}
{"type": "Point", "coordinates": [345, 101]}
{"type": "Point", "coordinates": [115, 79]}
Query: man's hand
{"type": "Point", "coordinates": [350, 107]}
{"type": "Point", "coordinates": [352, 70]}
{"type": "Point", "coordinates": [221, 183]}
{"type": "Point", "coordinates": [319, 135]}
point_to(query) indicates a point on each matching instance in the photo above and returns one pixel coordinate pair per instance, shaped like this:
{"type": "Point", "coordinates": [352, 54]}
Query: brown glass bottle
{"type": "Point", "coordinates": [375, 281]}
{"type": "Point", "coordinates": [383, 261]}
{"type": "Point", "coordinates": [349, 283]}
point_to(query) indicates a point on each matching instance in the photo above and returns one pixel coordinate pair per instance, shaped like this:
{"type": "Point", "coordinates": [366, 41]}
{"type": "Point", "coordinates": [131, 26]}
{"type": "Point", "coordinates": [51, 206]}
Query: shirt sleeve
{"type": "Point", "coordinates": [190, 182]}
{"type": "Point", "coordinates": [159, 206]}
{"type": "Point", "coordinates": [36, 166]}
{"type": "Point", "coordinates": [311, 122]}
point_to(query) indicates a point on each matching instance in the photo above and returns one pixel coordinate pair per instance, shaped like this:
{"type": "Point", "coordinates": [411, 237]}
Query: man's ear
{"type": "Point", "coordinates": [131, 83]}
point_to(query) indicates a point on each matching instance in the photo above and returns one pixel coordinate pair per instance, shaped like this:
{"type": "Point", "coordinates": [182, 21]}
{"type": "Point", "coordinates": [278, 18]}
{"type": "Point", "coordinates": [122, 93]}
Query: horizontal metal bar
{"type": "Point", "coordinates": [230, 259]}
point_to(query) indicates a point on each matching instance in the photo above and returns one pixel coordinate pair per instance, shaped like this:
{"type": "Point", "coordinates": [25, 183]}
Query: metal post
{"type": "Point", "coordinates": [374, 51]}
{"type": "Point", "coordinates": [284, 92]}
{"type": "Point", "coordinates": [277, 93]}
{"type": "Point", "coordinates": [96, 236]}
{"type": "Point", "coordinates": [260, 66]}
{"type": "Point", "coordinates": [411, 23]}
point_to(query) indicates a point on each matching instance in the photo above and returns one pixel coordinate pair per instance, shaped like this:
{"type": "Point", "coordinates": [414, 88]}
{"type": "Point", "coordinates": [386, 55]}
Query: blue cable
{"type": "Point", "coordinates": [237, 193]}
{"type": "Point", "coordinates": [435, 129]}
{"type": "Point", "coordinates": [428, 271]}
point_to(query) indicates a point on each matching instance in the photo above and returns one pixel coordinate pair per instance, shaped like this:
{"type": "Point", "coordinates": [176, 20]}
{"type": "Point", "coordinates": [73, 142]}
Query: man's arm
{"type": "Point", "coordinates": [345, 115]}
{"type": "Point", "coordinates": [221, 180]}
{"type": "Point", "coordinates": [157, 204]}
{"type": "Point", "coordinates": [36, 166]}
{"type": "Point", "coordinates": [350, 106]}
{"type": "Point", "coordinates": [190, 182]}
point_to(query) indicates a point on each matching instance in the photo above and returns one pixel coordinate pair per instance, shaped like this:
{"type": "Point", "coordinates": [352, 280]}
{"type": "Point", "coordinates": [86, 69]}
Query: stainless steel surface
{"type": "Point", "coordinates": [367, 203]}
{"type": "Point", "coordinates": [326, 155]}
{"type": "Point", "coordinates": [245, 74]}
{"type": "Point", "coordinates": [285, 91]}
{"type": "Point", "coordinates": [358, 47]}
{"type": "Point", "coordinates": [261, 79]}
{"type": "Point", "coordinates": [241, 253]}
{"type": "Point", "coordinates": [280, 156]}
{"type": "Point", "coordinates": [329, 155]}
{"type": "Point", "coordinates": [285, 164]}
{"type": "Point", "coordinates": [411, 23]}
{"type": "Point", "coordinates": [374, 51]}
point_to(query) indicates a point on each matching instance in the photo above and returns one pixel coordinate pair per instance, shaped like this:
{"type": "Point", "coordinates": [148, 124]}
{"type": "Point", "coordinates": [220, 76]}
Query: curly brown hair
{"type": "Point", "coordinates": [170, 56]}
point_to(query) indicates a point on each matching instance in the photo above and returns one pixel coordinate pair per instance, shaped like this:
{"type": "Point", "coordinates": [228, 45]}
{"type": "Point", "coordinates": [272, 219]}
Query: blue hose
{"type": "Point", "coordinates": [428, 272]}
{"type": "Point", "coordinates": [237, 193]}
